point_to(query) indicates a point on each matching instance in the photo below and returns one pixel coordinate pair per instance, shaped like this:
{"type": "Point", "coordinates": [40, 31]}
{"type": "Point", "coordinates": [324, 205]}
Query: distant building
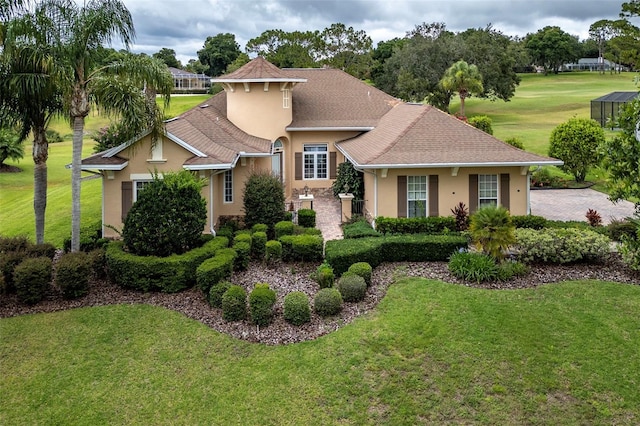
{"type": "Point", "coordinates": [593, 64]}
{"type": "Point", "coordinates": [606, 107]}
{"type": "Point", "coordinates": [188, 82]}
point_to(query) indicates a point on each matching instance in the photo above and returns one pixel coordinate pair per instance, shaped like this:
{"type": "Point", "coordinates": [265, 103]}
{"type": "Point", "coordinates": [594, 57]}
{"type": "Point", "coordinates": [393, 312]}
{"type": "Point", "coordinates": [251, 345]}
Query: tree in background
{"type": "Point", "coordinates": [601, 32]}
{"type": "Point", "coordinates": [297, 49]}
{"type": "Point", "coordinates": [551, 47]}
{"type": "Point", "coordinates": [346, 49]}
{"type": "Point", "coordinates": [576, 142]}
{"type": "Point", "coordinates": [463, 79]}
{"type": "Point", "coordinates": [168, 56]}
{"type": "Point", "coordinates": [218, 52]}
{"type": "Point", "coordinates": [195, 66]}
{"type": "Point", "coordinates": [11, 147]}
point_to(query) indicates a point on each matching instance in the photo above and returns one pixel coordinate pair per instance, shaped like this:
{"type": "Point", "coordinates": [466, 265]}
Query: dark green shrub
{"type": "Point", "coordinates": [288, 216]}
{"type": "Point", "coordinates": [362, 269]}
{"type": "Point", "coordinates": [234, 304]}
{"type": "Point", "coordinates": [168, 217]}
{"type": "Point", "coordinates": [359, 229]}
{"type": "Point", "coordinates": [620, 229]}
{"type": "Point", "coordinates": [306, 248]}
{"type": "Point", "coordinates": [328, 301]}
{"type": "Point", "coordinates": [243, 249]}
{"type": "Point", "coordinates": [168, 274]}
{"type": "Point", "coordinates": [415, 225]}
{"type": "Point", "coordinates": [283, 228]}
{"type": "Point", "coordinates": [273, 251]}
{"type": "Point", "coordinates": [324, 275]}
{"type": "Point", "coordinates": [72, 274]}
{"type": "Point", "coordinates": [476, 267]}
{"type": "Point", "coordinates": [510, 268]}
{"type": "Point", "coordinates": [529, 221]}
{"type": "Point", "coordinates": [296, 308]}
{"type": "Point", "coordinates": [9, 244]}
{"type": "Point", "coordinates": [90, 238]}
{"type": "Point", "coordinates": [259, 227]}
{"type": "Point", "coordinates": [307, 218]}
{"type": "Point", "coordinates": [226, 232]}
{"type": "Point", "coordinates": [263, 199]}
{"type": "Point", "coordinates": [41, 250]}
{"type": "Point", "coordinates": [8, 262]}
{"type": "Point", "coordinates": [258, 244]}
{"type": "Point", "coordinates": [32, 278]}
{"type": "Point", "coordinates": [552, 245]}
{"type": "Point", "coordinates": [311, 231]}
{"type": "Point", "coordinates": [98, 261]}
{"type": "Point", "coordinates": [261, 301]}
{"type": "Point", "coordinates": [542, 178]}
{"type": "Point", "coordinates": [216, 269]}
{"type": "Point", "coordinates": [348, 176]}
{"type": "Point", "coordinates": [515, 141]}
{"type": "Point", "coordinates": [352, 287]}
{"type": "Point", "coordinates": [216, 292]}
{"type": "Point", "coordinates": [482, 122]}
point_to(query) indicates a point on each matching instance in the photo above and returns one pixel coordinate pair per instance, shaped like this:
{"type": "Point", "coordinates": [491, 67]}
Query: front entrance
{"type": "Point", "coordinates": [276, 165]}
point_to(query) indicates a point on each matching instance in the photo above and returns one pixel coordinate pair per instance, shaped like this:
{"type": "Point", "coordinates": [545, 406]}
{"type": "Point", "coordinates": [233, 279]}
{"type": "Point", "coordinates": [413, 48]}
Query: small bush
{"type": "Point", "coordinates": [216, 292]}
{"type": "Point", "coordinates": [529, 221]}
{"type": "Point", "coordinates": [359, 229]}
{"type": "Point", "coordinates": [461, 216]}
{"type": "Point", "coordinates": [476, 267]}
{"type": "Point", "coordinates": [542, 178]}
{"type": "Point", "coordinates": [510, 268]}
{"type": "Point", "coordinates": [41, 250]}
{"type": "Point", "coordinates": [515, 141]}
{"type": "Point", "coordinates": [552, 245]}
{"type": "Point", "coordinates": [234, 304]}
{"type": "Point", "coordinates": [283, 228]}
{"type": "Point", "coordinates": [594, 218]}
{"type": "Point", "coordinates": [243, 249]}
{"type": "Point", "coordinates": [261, 301]}
{"type": "Point", "coordinates": [324, 275]}
{"type": "Point", "coordinates": [306, 248]}
{"type": "Point", "coordinates": [216, 269]}
{"type": "Point", "coordinates": [492, 230]}
{"type": "Point", "coordinates": [90, 238]}
{"type": "Point", "coordinates": [98, 261]}
{"type": "Point", "coordinates": [362, 269]}
{"type": "Point", "coordinates": [311, 231]}
{"type": "Point", "coordinates": [258, 244]}
{"type": "Point", "coordinates": [307, 218]}
{"type": "Point", "coordinates": [32, 278]}
{"type": "Point", "coordinates": [328, 301]}
{"type": "Point", "coordinates": [415, 225]}
{"type": "Point", "coordinates": [352, 287]}
{"type": "Point", "coordinates": [8, 262]}
{"type": "Point", "coordinates": [273, 251]}
{"type": "Point", "coordinates": [259, 227]}
{"type": "Point", "coordinates": [296, 308]}
{"type": "Point", "coordinates": [9, 244]}
{"type": "Point", "coordinates": [620, 229]}
{"type": "Point", "coordinates": [72, 274]}
{"type": "Point", "coordinates": [482, 122]}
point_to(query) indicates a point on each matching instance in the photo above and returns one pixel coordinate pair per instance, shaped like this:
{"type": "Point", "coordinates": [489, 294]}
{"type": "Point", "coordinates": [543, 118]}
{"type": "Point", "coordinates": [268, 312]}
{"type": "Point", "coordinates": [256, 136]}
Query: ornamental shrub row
{"type": "Point", "coordinates": [261, 301]}
{"type": "Point", "coordinates": [215, 269]}
{"type": "Point", "coordinates": [303, 247]}
{"type": "Point", "coordinates": [72, 274]}
{"type": "Point", "coordinates": [341, 254]}
{"type": "Point", "coordinates": [296, 308]}
{"type": "Point", "coordinates": [32, 278]}
{"type": "Point", "coordinates": [553, 245]}
{"type": "Point", "coordinates": [359, 229]}
{"type": "Point", "coordinates": [168, 274]}
{"type": "Point", "coordinates": [415, 225]}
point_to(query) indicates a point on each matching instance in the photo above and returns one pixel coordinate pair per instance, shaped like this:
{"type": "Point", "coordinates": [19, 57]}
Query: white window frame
{"type": "Point", "coordinates": [286, 98]}
{"type": "Point", "coordinates": [488, 190]}
{"type": "Point", "coordinates": [417, 192]}
{"type": "Point", "coordinates": [138, 185]}
{"type": "Point", "coordinates": [228, 186]}
{"type": "Point", "coordinates": [312, 156]}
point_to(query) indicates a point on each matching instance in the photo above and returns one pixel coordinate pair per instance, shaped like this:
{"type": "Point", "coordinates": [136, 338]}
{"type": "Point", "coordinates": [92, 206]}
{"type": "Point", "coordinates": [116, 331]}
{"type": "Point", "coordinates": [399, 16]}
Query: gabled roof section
{"type": "Point", "coordinates": [412, 135]}
{"type": "Point", "coordinates": [258, 70]}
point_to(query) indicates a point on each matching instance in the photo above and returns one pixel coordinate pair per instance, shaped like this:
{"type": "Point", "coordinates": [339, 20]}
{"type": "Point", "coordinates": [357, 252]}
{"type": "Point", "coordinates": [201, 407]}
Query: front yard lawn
{"type": "Point", "coordinates": [431, 352]}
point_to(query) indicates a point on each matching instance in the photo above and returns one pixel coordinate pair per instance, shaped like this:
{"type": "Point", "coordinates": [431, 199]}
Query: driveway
{"type": "Point", "coordinates": [572, 204]}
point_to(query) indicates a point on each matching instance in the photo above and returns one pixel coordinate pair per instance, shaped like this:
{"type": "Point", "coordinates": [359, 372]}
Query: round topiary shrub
{"type": "Point", "coordinates": [234, 304]}
{"type": "Point", "coordinates": [261, 301]}
{"type": "Point", "coordinates": [216, 292]}
{"type": "Point", "coordinates": [296, 308]}
{"type": "Point", "coordinates": [273, 251]}
{"type": "Point", "coordinates": [263, 199]}
{"type": "Point", "coordinates": [324, 275]}
{"type": "Point", "coordinates": [328, 301]}
{"type": "Point", "coordinates": [362, 269]}
{"type": "Point", "coordinates": [32, 278]}
{"type": "Point", "coordinates": [72, 274]}
{"type": "Point", "coordinates": [168, 217]}
{"type": "Point", "coordinates": [258, 244]}
{"type": "Point", "coordinates": [283, 228]}
{"type": "Point", "coordinates": [259, 227]}
{"type": "Point", "coordinates": [352, 287]}
{"type": "Point", "coordinates": [307, 218]}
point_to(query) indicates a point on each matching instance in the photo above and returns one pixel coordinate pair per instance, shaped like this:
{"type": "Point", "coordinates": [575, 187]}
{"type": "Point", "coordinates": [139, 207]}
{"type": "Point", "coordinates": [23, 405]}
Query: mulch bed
{"type": "Point", "coordinates": [285, 278]}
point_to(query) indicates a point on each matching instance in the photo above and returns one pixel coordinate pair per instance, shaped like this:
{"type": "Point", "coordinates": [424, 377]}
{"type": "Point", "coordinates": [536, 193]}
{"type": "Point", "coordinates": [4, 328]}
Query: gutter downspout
{"type": "Point", "coordinates": [375, 193]}
{"type": "Point", "coordinates": [211, 201]}
{"type": "Point", "coordinates": [528, 193]}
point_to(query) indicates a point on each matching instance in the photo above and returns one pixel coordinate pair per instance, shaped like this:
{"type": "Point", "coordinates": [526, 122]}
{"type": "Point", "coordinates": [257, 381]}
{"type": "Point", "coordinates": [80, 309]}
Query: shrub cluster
{"type": "Point", "coordinates": [529, 221]}
{"type": "Point", "coordinates": [216, 292]}
{"type": "Point", "coordinates": [234, 304]}
{"type": "Point", "coordinates": [305, 247]}
{"type": "Point", "coordinates": [359, 229]}
{"type": "Point", "coordinates": [307, 218]}
{"type": "Point", "coordinates": [324, 275]}
{"type": "Point", "coordinates": [341, 254]}
{"type": "Point", "coordinates": [554, 245]}
{"type": "Point", "coordinates": [415, 225]}
{"type": "Point", "coordinates": [13, 251]}
{"type": "Point", "coordinates": [90, 238]}
{"type": "Point", "coordinates": [242, 246]}
{"type": "Point", "coordinates": [479, 267]}
{"type": "Point", "coordinates": [258, 244]}
{"type": "Point", "coordinates": [296, 308]}
{"type": "Point", "coordinates": [352, 287]}
{"type": "Point", "coordinates": [362, 269]}
{"type": "Point", "coordinates": [261, 302]}
{"type": "Point", "coordinates": [215, 269]}
{"type": "Point", "coordinates": [283, 228]}
{"type": "Point", "coordinates": [168, 274]}
{"type": "Point", "coordinates": [72, 274]}
{"type": "Point", "coordinates": [620, 229]}
{"type": "Point", "coordinates": [263, 199]}
{"type": "Point", "coordinates": [273, 251]}
{"type": "Point", "coordinates": [32, 278]}
{"type": "Point", "coordinates": [328, 301]}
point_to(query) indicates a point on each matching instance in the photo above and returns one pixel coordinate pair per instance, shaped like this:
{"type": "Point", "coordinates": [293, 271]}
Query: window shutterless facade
{"type": "Point", "coordinates": [487, 190]}
{"type": "Point", "coordinates": [228, 186]}
{"type": "Point", "coordinates": [315, 161]}
{"type": "Point", "coordinates": [416, 196]}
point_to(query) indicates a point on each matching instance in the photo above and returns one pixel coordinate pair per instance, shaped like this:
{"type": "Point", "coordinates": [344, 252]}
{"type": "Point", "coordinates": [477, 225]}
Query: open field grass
{"type": "Point", "coordinates": [431, 353]}
{"type": "Point", "coordinates": [16, 189]}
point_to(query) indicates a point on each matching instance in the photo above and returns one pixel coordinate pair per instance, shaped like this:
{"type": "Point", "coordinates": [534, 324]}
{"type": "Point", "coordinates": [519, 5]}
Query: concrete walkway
{"type": "Point", "coordinates": [572, 204]}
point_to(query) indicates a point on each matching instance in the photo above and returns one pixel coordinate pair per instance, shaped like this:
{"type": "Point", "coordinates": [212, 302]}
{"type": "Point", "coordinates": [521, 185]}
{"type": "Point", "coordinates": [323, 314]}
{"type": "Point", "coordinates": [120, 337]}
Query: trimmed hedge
{"type": "Point", "coordinates": [362, 269]}
{"type": "Point", "coordinates": [283, 228]}
{"type": "Point", "coordinates": [261, 301]}
{"type": "Point", "coordinates": [259, 227]}
{"type": "Point", "coordinates": [234, 304]}
{"type": "Point", "coordinates": [72, 274]}
{"type": "Point", "coordinates": [243, 249]}
{"type": "Point", "coordinates": [554, 245]}
{"type": "Point", "coordinates": [529, 221]}
{"type": "Point", "coordinates": [273, 251]}
{"type": "Point", "coordinates": [303, 247]}
{"type": "Point", "coordinates": [324, 275]}
{"type": "Point", "coordinates": [32, 278]}
{"type": "Point", "coordinates": [352, 287]}
{"type": "Point", "coordinates": [216, 269]}
{"type": "Point", "coordinates": [307, 218]}
{"type": "Point", "coordinates": [328, 301]}
{"type": "Point", "coordinates": [415, 225]}
{"type": "Point", "coordinates": [359, 229]}
{"type": "Point", "coordinates": [216, 292]}
{"type": "Point", "coordinates": [168, 274]}
{"type": "Point", "coordinates": [296, 308]}
{"type": "Point", "coordinates": [341, 254]}
{"type": "Point", "coordinates": [258, 244]}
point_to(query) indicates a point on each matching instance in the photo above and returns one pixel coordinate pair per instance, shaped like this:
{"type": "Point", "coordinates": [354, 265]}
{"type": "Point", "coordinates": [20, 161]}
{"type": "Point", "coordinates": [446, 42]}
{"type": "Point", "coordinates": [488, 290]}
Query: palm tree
{"type": "Point", "coordinates": [464, 79]}
{"type": "Point", "coordinates": [115, 87]}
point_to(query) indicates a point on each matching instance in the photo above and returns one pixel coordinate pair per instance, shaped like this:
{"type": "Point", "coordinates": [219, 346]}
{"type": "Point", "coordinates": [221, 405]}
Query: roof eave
{"type": "Point", "coordinates": [198, 167]}
{"type": "Point", "coordinates": [331, 129]}
{"type": "Point", "coordinates": [442, 165]}
{"type": "Point", "coordinates": [259, 80]}
{"type": "Point", "coordinates": [90, 167]}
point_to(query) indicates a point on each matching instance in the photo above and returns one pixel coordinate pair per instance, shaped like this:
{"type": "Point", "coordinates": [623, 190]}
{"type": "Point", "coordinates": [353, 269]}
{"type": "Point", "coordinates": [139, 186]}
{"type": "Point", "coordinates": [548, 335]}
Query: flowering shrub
{"type": "Point", "coordinates": [110, 137]}
{"type": "Point", "coordinates": [560, 245]}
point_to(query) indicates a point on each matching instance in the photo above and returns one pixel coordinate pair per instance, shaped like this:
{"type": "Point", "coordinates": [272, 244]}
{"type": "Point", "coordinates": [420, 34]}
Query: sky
{"type": "Point", "coordinates": [184, 25]}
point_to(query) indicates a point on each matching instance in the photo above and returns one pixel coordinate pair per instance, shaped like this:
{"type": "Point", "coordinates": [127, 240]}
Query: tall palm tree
{"type": "Point", "coordinates": [464, 79]}
{"type": "Point", "coordinates": [115, 87]}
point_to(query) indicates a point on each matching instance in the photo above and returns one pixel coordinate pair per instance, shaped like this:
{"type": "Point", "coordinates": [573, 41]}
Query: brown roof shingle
{"type": "Point", "coordinates": [258, 69]}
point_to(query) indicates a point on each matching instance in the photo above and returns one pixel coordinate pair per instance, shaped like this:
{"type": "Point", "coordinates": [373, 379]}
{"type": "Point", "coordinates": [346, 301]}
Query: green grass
{"type": "Point", "coordinates": [16, 189]}
{"type": "Point", "coordinates": [430, 353]}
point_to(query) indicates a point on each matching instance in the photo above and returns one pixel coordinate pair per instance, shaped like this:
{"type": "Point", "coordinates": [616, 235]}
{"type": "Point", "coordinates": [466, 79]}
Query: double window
{"type": "Point", "coordinates": [487, 190]}
{"type": "Point", "coordinates": [416, 196]}
{"type": "Point", "coordinates": [315, 161]}
{"type": "Point", "coordinates": [228, 186]}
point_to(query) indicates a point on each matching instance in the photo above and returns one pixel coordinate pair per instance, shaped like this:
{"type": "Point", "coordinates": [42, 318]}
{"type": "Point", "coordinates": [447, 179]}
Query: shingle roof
{"type": "Point", "coordinates": [617, 97]}
{"type": "Point", "coordinates": [412, 135]}
{"type": "Point", "coordinates": [258, 69]}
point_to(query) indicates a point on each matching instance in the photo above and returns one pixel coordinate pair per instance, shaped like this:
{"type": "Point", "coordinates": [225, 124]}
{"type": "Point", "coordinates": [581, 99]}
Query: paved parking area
{"type": "Point", "coordinates": [572, 204]}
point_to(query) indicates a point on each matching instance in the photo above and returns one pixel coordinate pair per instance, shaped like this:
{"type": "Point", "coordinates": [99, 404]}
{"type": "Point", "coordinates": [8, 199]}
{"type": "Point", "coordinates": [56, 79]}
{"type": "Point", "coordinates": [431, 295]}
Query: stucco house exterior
{"type": "Point", "coordinates": [300, 124]}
